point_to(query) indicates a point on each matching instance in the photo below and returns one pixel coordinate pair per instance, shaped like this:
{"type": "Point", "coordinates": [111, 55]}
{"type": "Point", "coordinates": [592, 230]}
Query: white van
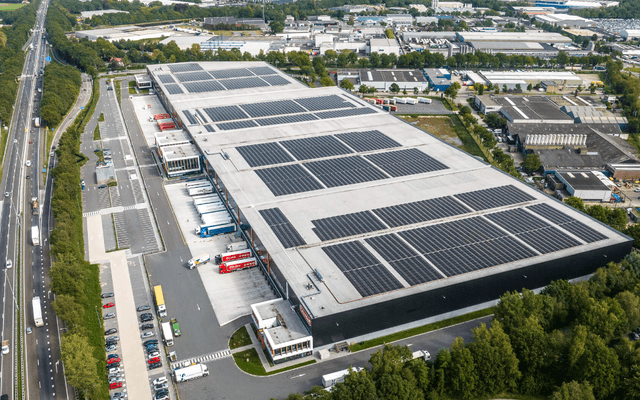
{"type": "Point", "coordinates": [28, 163]}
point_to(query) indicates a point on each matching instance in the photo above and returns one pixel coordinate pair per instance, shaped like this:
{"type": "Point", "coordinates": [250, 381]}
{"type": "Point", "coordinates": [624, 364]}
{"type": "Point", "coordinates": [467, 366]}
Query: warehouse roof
{"type": "Point", "coordinates": [392, 75]}
{"type": "Point", "coordinates": [583, 180]}
{"type": "Point", "coordinates": [525, 108]}
{"type": "Point", "coordinates": [373, 207]}
{"type": "Point", "coordinates": [541, 37]}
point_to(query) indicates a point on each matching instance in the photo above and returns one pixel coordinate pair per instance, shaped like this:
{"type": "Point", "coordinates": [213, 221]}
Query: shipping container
{"type": "Point", "coordinates": [394, 108]}
{"type": "Point", "coordinates": [410, 100]}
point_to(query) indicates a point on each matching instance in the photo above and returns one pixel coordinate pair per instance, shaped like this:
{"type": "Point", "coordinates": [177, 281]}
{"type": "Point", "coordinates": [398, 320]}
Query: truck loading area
{"type": "Point", "coordinates": [231, 295]}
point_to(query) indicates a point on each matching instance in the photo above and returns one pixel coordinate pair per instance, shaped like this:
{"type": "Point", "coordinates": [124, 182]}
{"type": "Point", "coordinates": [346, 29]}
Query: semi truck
{"type": "Point", "coordinates": [166, 334]}
{"type": "Point", "coordinates": [232, 256]}
{"type": "Point", "coordinates": [36, 122]}
{"type": "Point", "coordinates": [195, 184]}
{"type": "Point", "coordinates": [213, 217]}
{"type": "Point", "coordinates": [201, 259]}
{"type": "Point", "coordinates": [5, 347]}
{"type": "Point", "coordinates": [37, 311]}
{"type": "Point", "coordinates": [35, 235]}
{"type": "Point", "coordinates": [421, 354]}
{"type": "Point", "coordinates": [232, 266]}
{"type": "Point", "coordinates": [34, 206]}
{"type": "Point", "coordinates": [191, 372]}
{"type": "Point", "coordinates": [237, 246]}
{"type": "Point", "coordinates": [331, 379]}
{"type": "Point", "coordinates": [206, 231]}
{"type": "Point", "coordinates": [160, 306]}
{"type": "Point", "coordinates": [201, 190]}
{"type": "Point", "coordinates": [210, 208]}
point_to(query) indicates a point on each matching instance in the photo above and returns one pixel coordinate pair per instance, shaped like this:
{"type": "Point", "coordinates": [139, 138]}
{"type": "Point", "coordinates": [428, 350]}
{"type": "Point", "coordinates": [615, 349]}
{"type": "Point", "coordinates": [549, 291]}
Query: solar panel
{"type": "Point", "coordinates": [204, 119]}
{"type": "Point", "coordinates": [324, 103]}
{"type": "Point", "coordinates": [262, 70]}
{"type": "Point", "coordinates": [344, 171]}
{"type": "Point", "coordinates": [548, 240]}
{"type": "Point", "coordinates": [495, 197]}
{"type": "Point", "coordinates": [554, 215]}
{"type": "Point", "coordinates": [405, 162]}
{"type": "Point", "coordinates": [209, 128]}
{"type": "Point", "coordinates": [192, 120]}
{"type": "Point", "coordinates": [413, 268]}
{"type": "Point", "coordinates": [367, 141]}
{"type": "Point", "coordinates": [258, 155]}
{"type": "Point", "coordinates": [420, 211]}
{"type": "Point", "coordinates": [275, 80]}
{"type": "Point", "coordinates": [583, 232]}
{"type": "Point", "coordinates": [287, 179]}
{"type": "Point", "coordinates": [243, 83]}
{"type": "Point", "coordinates": [346, 225]}
{"type": "Point", "coordinates": [315, 147]}
{"type": "Point", "coordinates": [173, 88]}
{"type": "Point", "coordinates": [286, 119]}
{"type": "Point", "coordinates": [225, 113]}
{"type": "Point", "coordinates": [282, 228]}
{"type": "Point", "coordinates": [270, 108]}
{"type": "Point", "coordinates": [204, 86]}
{"type": "Point", "coordinates": [365, 272]}
{"type": "Point", "coordinates": [228, 126]}
{"type": "Point", "coordinates": [230, 73]}
{"type": "Point", "coordinates": [166, 78]}
{"type": "Point", "coordinates": [345, 113]}
{"type": "Point", "coordinates": [184, 67]}
{"type": "Point", "coordinates": [193, 76]}
{"type": "Point", "coordinates": [517, 220]}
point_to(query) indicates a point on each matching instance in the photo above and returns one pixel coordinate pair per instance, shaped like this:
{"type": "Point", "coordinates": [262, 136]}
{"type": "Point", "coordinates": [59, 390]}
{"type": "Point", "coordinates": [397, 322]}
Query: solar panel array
{"type": "Point", "coordinates": [362, 269]}
{"type": "Point", "coordinates": [229, 126]}
{"type": "Point", "coordinates": [271, 108]}
{"type": "Point", "coordinates": [345, 113]}
{"type": "Point", "coordinates": [193, 76]}
{"type": "Point", "coordinates": [185, 67]}
{"type": "Point", "coordinates": [494, 197]}
{"type": "Point", "coordinates": [262, 71]}
{"type": "Point", "coordinates": [173, 88]}
{"type": "Point", "coordinates": [315, 147]}
{"type": "Point", "coordinates": [567, 223]}
{"type": "Point", "coordinates": [331, 102]}
{"type": "Point", "coordinates": [405, 162]}
{"type": "Point", "coordinates": [209, 128]}
{"type": "Point", "coordinates": [367, 141]}
{"type": "Point", "coordinates": [166, 78]}
{"type": "Point", "coordinates": [225, 113]}
{"type": "Point", "coordinates": [202, 117]}
{"type": "Point", "coordinates": [282, 228]}
{"type": "Point", "coordinates": [286, 119]}
{"type": "Point", "coordinates": [287, 179]}
{"type": "Point", "coordinates": [420, 211]}
{"type": "Point", "coordinates": [344, 171]}
{"type": "Point", "coordinates": [243, 83]}
{"type": "Point", "coordinates": [347, 225]}
{"type": "Point", "coordinates": [231, 73]}
{"type": "Point", "coordinates": [258, 155]}
{"type": "Point", "coordinates": [275, 80]}
{"type": "Point", "coordinates": [203, 86]}
{"type": "Point", "coordinates": [190, 117]}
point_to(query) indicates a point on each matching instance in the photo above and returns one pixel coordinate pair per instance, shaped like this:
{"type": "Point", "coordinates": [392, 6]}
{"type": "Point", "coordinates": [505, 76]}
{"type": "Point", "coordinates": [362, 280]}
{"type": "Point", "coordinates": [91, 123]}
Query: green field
{"type": "Point", "coordinates": [10, 6]}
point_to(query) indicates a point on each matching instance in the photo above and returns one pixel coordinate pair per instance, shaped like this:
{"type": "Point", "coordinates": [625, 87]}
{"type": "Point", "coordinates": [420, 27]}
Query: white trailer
{"type": "Point", "coordinates": [191, 185]}
{"type": "Point", "coordinates": [167, 335]}
{"type": "Point", "coordinates": [191, 372]}
{"type": "Point", "coordinates": [421, 354]}
{"type": "Point", "coordinates": [200, 190]}
{"type": "Point", "coordinates": [37, 311]}
{"type": "Point", "coordinates": [35, 235]}
{"type": "Point", "coordinates": [237, 246]}
{"type": "Point", "coordinates": [424, 100]}
{"type": "Point", "coordinates": [336, 377]}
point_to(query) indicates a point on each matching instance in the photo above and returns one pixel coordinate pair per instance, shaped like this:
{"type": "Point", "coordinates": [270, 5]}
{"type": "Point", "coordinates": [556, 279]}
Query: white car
{"type": "Point", "coordinates": [28, 163]}
{"type": "Point", "coordinates": [9, 264]}
{"type": "Point", "coordinates": [636, 190]}
{"type": "Point", "coordinates": [160, 381]}
{"type": "Point", "coordinates": [154, 355]}
{"type": "Point", "coordinates": [114, 370]}
{"type": "Point", "coordinates": [147, 334]}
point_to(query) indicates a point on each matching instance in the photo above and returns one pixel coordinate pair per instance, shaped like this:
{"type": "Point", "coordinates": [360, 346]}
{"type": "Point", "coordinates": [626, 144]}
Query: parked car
{"type": "Point", "coordinates": [106, 295]}
{"type": "Point", "coordinates": [146, 317]}
{"type": "Point", "coordinates": [108, 305]}
{"type": "Point", "coordinates": [110, 331]}
{"type": "Point", "coordinates": [155, 365]}
{"type": "Point", "coordinates": [114, 338]}
{"type": "Point", "coordinates": [162, 392]}
{"type": "Point", "coordinates": [143, 308]}
{"type": "Point", "coordinates": [161, 386]}
{"type": "Point", "coordinates": [147, 334]}
{"type": "Point", "coordinates": [156, 354]}
{"type": "Point", "coordinates": [152, 349]}
{"type": "Point", "coordinates": [113, 365]}
{"type": "Point", "coordinates": [110, 343]}
{"type": "Point", "coordinates": [116, 379]}
{"type": "Point", "coordinates": [114, 370]}
{"type": "Point", "coordinates": [110, 348]}
{"type": "Point", "coordinates": [110, 356]}
{"type": "Point", "coordinates": [117, 395]}
{"type": "Point", "coordinates": [634, 336]}
{"type": "Point", "coordinates": [146, 327]}
{"type": "Point", "coordinates": [162, 379]}
{"type": "Point", "coordinates": [113, 360]}
{"type": "Point", "coordinates": [154, 360]}
{"type": "Point", "coordinates": [110, 315]}
{"type": "Point", "coordinates": [115, 385]}
{"type": "Point", "coordinates": [151, 341]}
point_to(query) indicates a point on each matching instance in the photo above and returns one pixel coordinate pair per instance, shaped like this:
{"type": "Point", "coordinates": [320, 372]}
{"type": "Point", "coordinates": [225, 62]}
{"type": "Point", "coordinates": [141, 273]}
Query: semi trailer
{"type": "Point", "coordinates": [232, 266]}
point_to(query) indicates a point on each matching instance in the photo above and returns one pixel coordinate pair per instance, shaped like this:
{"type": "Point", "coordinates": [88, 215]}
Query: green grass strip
{"type": "Point", "coordinates": [420, 330]}
{"type": "Point", "coordinates": [249, 362]}
{"type": "Point", "coordinates": [96, 133]}
{"type": "Point", "coordinates": [240, 338]}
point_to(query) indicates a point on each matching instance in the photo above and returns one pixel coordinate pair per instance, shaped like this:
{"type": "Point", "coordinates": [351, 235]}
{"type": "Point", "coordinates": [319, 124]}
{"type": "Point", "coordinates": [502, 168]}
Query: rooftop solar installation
{"type": "Point", "coordinates": [420, 211]}
{"type": "Point", "coordinates": [583, 232]}
{"type": "Point", "coordinates": [405, 162]}
{"type": "Point", "coordinates": [410, 265]}
{"type": "Point", "coordinates": [494, 197]}
{"type": "Point", "coordinates": [344, 171]}
{"type": "Point", "coordinates": [548, 240]}
{"type": "Point", "coordinates": [315, 147]}
{"type": "Point", "coordinates": [231, 73]}
{"type": "Point", "coordinates": [324, 103]}
{"type": "Point", "coordinates": [243, 83]}
{"type": "Point", "coordinates": [258, 155]}
{"type": "Point", "coordinates": [193, 76]}
{"type": "Point", "coordinates": [287, 179]}
{"type": "Point", "coordinates": [345, 113]}
{"type": "Point", "coordinates": [209, 128]}
{"type": "Point", "coordinates": [347, 225]}
{"type": "Point", "coordinates": [202, 117]}
{"type": "Point", "coordinates": [367, 141]}
{"type": "Point", "coordinates": [229, 126]}
{"type": "Point", "coordinates": [225, 113]}
{"type": "Point", "coordinates": [275, 80]}
{"type": "Point", "coordinates": [517, 220]}
{"type": "Point", "coordinates": [263, 71]}
{"type": "Point", "coordinates": [190, 117]}
{"type": "Point", "coordinates": [270, 108]}
{"type": "Point", "coordinates": [286, 119]}
{"type": "Point", "coordinates": [282, 228]}
{"type": "Point", "coordinates": [173, 88]}
{"type": "Point", "coordinates": [166, 78]}
{"type": "Point", "coordinates": [184, 67]}
{"type": "Point", "coordinates": [203, 86]}
{"type": "Point", "coordinates": [550, 213]}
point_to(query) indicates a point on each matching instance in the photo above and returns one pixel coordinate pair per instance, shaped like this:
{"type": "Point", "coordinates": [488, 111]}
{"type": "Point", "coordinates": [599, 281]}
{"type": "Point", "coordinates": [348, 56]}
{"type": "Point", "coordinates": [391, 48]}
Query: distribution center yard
{"type": "Point", "coordinates": [10, 6]}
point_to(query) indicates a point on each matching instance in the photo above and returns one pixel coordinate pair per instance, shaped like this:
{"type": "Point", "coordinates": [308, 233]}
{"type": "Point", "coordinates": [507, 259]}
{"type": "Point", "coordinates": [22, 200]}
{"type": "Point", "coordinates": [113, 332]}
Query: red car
{"type": "Point", "coordinates": [108, 305]}
{"type": "Point", "coordinates": [115, 385]}
{"type": "Point", "coordinates": [113, 360]}
{"type": "Point", "coordinates": [154, 360]}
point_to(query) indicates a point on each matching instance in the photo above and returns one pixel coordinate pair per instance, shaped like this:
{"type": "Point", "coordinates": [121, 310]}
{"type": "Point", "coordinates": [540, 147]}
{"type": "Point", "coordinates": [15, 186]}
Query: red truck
{"type": "Point", "coordinates": [232, 256]}
{"type": "Point", "coordinates": [231, 266]}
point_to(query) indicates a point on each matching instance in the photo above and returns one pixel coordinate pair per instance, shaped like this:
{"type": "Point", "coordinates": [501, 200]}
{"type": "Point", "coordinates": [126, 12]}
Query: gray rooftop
{"type": "Point", "coordinates": [379, 208]}
{"type": "Point", "coordinates": [583, 180]}
{"type": "Point", "coordinates": [523, 108]}
{"type": "Point", "coordinates": [392, 75]}
{"type": "Point", "coordinates": [290, 327]}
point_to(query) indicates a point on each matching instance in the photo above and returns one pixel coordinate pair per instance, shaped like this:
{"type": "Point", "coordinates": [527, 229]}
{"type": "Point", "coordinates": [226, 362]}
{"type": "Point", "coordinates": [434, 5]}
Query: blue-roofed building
{"type": "Point", "coordinates": [439, 79]}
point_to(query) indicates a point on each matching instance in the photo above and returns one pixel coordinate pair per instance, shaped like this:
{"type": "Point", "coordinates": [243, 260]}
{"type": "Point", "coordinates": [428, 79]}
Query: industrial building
{"type": "Point", "coordinates": [143, 81]}
{"type": "Point", "coordinates": [523, 109]}
{"type": "Point", "coordinates": [584, 185]}
{"type": "Point", "coordinates": [439, 79]}
{"type": "Point", "coordinates": [538, 37]}
{"type": "Point", "coordinates": [179, 157]}
{"type": "Point", "coordinates": [566, 20]}
{"type": "Point", "coordinates": [382, 79]}
{"type": "Point", "coordinates": [369, 223]}
{"type": "Point", "coordinates": [384, 46]}
{"type": "Point", "coordinates": [565, 79]}
{"type": "Point", "coordinates": [128, 32]}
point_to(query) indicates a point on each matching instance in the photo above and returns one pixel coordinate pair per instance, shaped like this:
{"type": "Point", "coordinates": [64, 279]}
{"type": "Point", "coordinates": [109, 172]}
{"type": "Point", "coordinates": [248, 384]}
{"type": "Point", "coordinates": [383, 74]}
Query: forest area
{"type": "Point", "coordinates": [61, 88]}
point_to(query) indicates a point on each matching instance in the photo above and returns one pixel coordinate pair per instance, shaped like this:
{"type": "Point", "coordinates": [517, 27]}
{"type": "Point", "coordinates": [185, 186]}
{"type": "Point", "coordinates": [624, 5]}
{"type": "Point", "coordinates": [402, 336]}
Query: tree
{"type": "Point", "coordinates": [416, 90]}
{"type": "Point", "coordinates": [462, 370]}
{"type": "Point", "coordinates": [357, 386]}
{"type": "Point", "coordinates": [451, 92]}
{"type": "Point", "coordinates": [494, 121]}
{"type": "Point", "coordinates": [518, 87]}
{"type": "Point", "coordinates": [326, 81]}
{"type": "Point", "coordinates": [531, 163]}
{"type": "Point", "coordinates": [68, 310]}
{"type": "Point", "coordinates": [394, 88]}
{"type": "Point", "coordinates": [80, 364]}
{"type": "Point", "coordinates": [276, 26]}
{"type": "Point", "coordinates": [530, 87]}
{"type": "Point", "coordinates": [574, 391]}
{"type": "Point", "coordinates": [346, 84]}
{"type": "Point", "coordinates": [575, 202]}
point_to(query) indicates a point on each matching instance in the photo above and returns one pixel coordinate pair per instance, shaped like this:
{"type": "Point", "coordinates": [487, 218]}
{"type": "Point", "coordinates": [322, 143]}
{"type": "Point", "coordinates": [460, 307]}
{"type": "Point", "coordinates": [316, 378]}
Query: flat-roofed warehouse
{"type": "Point", "coordinates": [371, 223]}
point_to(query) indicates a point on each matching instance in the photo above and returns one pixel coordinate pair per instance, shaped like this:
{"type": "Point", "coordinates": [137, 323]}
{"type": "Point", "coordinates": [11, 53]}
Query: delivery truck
{"type": "Point", "coordinates": [160, 306]}
{"type": "Point", "coordinates": [237, 246]}
{"type": "Point", "coordinates": [36, 122]}
{"type": "Point", "coordinates": [35, 235]}
{"type": "Point", "coordinates": [232, 266]}
{"type": "Point", "coordinates": [232, 256]}
{"type": "Point", "coordinates": [5, 347]}
{"type": "Point", "coordinates": [37, 311]}
{"type": "Point", "coordinates": [331, 379]}
{"type": "Point", "coordinates": [166, 334]}
{"type": "Point", "coordinates": [191, 372]}
{"type": "Point", "coordinates": [196, 261]}
{"type": "Point", "coordinates": [423, 354]}
{"type": "Point", "coordinates": [34, 206]}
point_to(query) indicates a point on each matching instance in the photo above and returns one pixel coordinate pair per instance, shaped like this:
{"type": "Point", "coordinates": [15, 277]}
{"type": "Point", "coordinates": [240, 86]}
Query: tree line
{"type": "Point", "coordinates": [570, 342]}
{"type": "Point", "coordinates": [61, 86]}
{"type": "Point", "coordinates": [13, 36]}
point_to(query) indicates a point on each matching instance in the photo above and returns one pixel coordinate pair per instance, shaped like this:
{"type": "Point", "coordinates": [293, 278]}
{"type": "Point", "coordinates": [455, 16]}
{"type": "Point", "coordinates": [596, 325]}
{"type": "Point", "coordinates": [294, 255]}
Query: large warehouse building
{"type": "Point", "coordinates": [369, 222]}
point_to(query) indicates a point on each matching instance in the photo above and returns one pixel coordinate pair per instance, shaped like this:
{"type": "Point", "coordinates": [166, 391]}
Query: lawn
{"type": "Point", "coordinates": [240, 338]}
{"type": "Point", "coordinates": [249, 362]}
{"type": "Point", "coordinates": [633, 69]}
{"type": "Point", "coordinates": [10, 6]}
{"type": "Point", "coordinates": [448, 128]}
{"type": "Point", "coordinates": [96, 133]}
